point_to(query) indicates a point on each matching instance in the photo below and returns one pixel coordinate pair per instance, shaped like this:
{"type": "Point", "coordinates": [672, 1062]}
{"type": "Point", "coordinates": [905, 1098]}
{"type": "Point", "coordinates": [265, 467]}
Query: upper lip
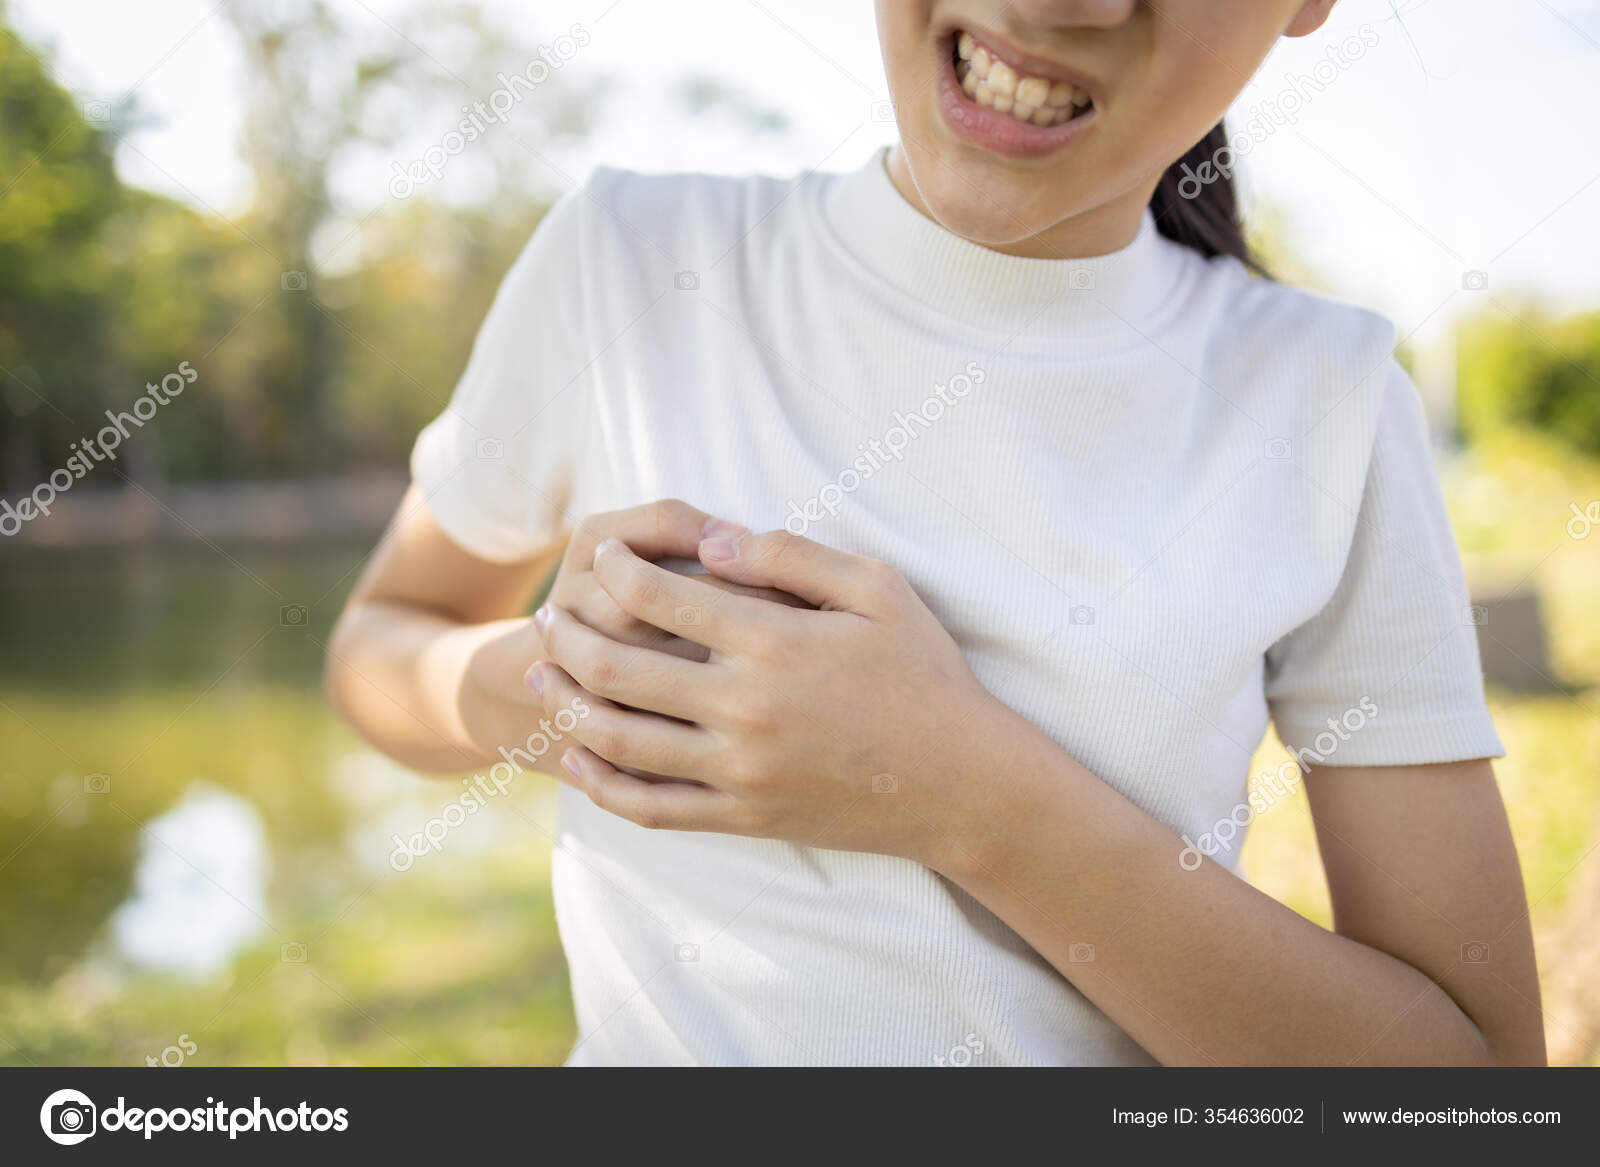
{"type": "Point", "coordinates": [1026, 64]}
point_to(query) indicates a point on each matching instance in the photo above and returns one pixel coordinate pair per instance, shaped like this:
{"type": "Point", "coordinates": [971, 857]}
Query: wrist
{"type": "Point", "coordinates": [985, 777]}
{"type": "Point", "coordinates": [476, 671]}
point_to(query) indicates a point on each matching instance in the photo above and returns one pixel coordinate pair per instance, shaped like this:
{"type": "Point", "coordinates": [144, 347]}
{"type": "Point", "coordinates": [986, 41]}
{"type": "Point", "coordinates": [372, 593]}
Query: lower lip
{"type": "Point", "coordinates": [996, 131]}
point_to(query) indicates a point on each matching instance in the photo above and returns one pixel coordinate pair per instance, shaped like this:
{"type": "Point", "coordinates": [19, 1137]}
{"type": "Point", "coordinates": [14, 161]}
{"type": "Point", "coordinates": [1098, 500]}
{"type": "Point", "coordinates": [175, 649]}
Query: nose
{"type": "Point", "coordinates": [1074, 13]}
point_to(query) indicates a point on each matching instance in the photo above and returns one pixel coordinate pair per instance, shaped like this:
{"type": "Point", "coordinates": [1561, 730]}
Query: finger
{"type": "Point", "coordinates": [600, 612]}
{"type": "Point", "coordinates": [776, 595]}
{"type": "Point", "coordinates": [623, 737]}
{"type": "Point", "coordinates": [657, 806]}
{"type": "Point", "coordinates": [821, 575]}
{"type": "Point", "coordinates": [667, 527]}
{"type": "Point", "coordinates": [682, 605]}
{"type": "Point", "coordinates": [641, 677]}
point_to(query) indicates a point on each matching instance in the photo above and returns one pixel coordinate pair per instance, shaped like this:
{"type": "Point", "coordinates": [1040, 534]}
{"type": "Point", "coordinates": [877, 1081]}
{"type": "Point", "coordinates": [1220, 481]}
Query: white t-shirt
{"type": "Point", "coordinates": [1152, 498]}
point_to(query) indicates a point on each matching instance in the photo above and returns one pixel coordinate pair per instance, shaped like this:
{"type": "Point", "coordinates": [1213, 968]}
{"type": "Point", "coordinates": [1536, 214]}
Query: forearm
{"type": "Point", "coordinates": [1197, 966]}
{"type": "Point", "coordinates": [403, 677]}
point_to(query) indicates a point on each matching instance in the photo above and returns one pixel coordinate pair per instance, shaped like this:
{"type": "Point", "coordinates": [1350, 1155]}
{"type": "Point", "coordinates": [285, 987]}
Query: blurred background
{"type": "Point", "coordinates": [272, 202]}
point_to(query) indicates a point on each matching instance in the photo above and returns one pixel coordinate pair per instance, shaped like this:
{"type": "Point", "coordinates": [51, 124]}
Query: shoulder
{"type": "Point", "coordinates": [689, 217]}
{"type": "Point", "coordinates": [1306, 365]}
{"type": "Point", "coordinates": [1314, 332]}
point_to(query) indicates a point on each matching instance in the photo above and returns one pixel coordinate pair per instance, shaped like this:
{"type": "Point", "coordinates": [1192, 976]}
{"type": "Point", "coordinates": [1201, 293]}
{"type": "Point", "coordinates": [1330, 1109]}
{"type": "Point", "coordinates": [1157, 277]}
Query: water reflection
{"type": "Point", "coordinates": [200, 886]}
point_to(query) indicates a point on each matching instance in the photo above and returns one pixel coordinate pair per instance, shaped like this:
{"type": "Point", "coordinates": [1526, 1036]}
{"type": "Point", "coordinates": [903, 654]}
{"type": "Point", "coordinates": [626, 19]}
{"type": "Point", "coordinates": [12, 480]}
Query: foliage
{"type": "Point", "coordinates": [1532, 371]}
{"type": "Point", "coordinates": [324, 331]}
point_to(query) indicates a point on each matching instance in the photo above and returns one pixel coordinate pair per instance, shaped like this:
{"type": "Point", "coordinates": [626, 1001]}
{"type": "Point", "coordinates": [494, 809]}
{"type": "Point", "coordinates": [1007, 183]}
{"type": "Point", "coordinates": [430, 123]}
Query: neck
{"type": "Point", "coordinates": [1099, 231]}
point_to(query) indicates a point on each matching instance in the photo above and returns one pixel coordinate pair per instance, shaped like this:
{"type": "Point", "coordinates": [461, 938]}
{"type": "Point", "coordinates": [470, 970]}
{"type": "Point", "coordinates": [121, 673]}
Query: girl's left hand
{"type": "Point", "coordinates": [853, 727]}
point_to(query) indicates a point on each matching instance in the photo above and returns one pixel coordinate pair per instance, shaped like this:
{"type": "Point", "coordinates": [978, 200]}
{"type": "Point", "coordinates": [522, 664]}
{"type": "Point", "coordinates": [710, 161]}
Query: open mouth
{"type": "Point", "coordinates": [992, 83]}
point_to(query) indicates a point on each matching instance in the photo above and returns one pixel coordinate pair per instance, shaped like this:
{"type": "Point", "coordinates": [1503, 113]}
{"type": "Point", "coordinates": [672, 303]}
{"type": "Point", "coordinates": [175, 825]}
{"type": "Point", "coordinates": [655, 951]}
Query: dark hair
{"type": "Point", "coordinates": [1207, 220]}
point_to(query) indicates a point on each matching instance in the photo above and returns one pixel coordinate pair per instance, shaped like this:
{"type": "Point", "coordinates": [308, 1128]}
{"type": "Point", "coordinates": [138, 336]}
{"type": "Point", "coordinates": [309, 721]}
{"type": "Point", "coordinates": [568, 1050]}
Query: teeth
{"type": "Point", "coordinates": [995, 85]}
{"type": "Point", "coordinates": [1033, 91]}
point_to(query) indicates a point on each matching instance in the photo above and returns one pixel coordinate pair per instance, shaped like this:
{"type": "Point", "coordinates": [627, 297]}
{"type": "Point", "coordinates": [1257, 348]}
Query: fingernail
{"type": "Point", "coordinates": [569, 763]}
{"type": "Point", "coordinates": [721, 547]}
{"type": "Point", "coordinates": [534, 677]}
{"type": "Point", "coordinates": [542, 617]}
{"type": "Point", "coordinates": [608, 545]}
{"type": "Point", "coordinates": [716, 527]}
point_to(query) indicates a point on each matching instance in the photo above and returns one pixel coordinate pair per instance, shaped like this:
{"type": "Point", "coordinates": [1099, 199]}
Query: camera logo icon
{"type": "Point", "coordinates": [885, 784]}
{"type": "Point", "coordinates": [294, 281]}
{"type": "Point", "coordinates": [293, 952]}
{"type": "Point", "coordinates": [292, 616]}
{"type": "Point", "coordinates": [883, 111]}
{"type": "Point", "coordinates": [688, 614]}
{"type": "Point", "coordinates": [1081, 614]}
{"type": "Point", "coordinates": [1278, 449]}
{"type": "Point", "coordinates": [685, 953]}
{"type": "Point", "coordinates": [1081, 279]}
{"type": "Point", "coordinates": [1475, 952]}
{"type": "Point", "coordinates": [68, 1117]}
{"type": "Point", "coordinates": [97, 112]}
{"type": "Point", "coordinates": [97, 784]}
{"type": "Point", "coordinates": [1475, 281]}
{"type": "Point", "coordinates": [1081, 954]}
{"type": "Point", "coordinates": [1477, 615]}
{"type": "Point", "coordinates": [686, 281]}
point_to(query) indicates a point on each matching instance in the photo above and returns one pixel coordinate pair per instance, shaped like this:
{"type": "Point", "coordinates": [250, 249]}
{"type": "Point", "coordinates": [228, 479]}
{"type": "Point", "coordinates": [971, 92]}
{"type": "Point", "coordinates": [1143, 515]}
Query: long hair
{"type": "Point", "coordinates": [1208, 219]}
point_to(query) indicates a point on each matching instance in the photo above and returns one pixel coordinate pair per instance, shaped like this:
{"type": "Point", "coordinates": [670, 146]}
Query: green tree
{"type": "Point", "coordinates": [57, 191]}
{"type": "Point", "coordinates": [1532, 371]}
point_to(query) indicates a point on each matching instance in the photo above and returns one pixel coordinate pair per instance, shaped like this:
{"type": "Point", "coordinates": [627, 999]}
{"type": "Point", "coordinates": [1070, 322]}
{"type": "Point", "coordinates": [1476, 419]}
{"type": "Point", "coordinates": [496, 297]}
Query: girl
{"type": "Point", "coordinates": [1061, 503]}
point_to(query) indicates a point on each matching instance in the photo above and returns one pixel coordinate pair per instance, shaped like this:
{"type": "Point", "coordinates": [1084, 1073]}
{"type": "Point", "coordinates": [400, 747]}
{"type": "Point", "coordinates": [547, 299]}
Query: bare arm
{"type": "Point", "coordinates": [1199, 967]}
{"type": "Point", "coordinates": [427, 658]}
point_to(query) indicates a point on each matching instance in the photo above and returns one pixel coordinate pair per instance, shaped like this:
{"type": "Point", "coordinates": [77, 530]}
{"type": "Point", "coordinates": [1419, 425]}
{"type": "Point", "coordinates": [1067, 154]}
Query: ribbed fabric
{"type": "Point", "coordinates": [1150, 497]}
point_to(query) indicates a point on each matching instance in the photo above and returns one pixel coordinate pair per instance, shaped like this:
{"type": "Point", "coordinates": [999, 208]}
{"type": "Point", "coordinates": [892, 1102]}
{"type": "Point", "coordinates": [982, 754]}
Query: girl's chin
{"type": "Point", "coordinates": [998, 218]}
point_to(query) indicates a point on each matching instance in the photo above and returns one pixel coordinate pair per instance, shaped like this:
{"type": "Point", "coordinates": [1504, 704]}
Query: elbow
{"type": "Point", "coordinates": [1516, 1040]}
{"type": "Point", "coordinates": [1525, 1049]}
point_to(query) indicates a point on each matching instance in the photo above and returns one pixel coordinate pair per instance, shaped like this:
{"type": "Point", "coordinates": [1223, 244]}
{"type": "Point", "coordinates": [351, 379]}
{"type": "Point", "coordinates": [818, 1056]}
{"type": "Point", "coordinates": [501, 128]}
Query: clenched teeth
{"type": "Point", "coordinates": [996, 85]}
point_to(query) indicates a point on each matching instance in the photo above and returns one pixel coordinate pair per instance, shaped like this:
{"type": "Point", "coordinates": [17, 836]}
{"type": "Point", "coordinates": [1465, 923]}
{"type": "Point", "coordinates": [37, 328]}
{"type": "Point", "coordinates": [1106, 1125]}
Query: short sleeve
{"type": "Point", "coordinates": [496, 466]}
{"type": "Point", "coordinates": [1392, 659]}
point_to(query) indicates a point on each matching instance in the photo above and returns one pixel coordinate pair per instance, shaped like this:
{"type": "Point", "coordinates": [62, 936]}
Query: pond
{"type": "Point", "coordinates": [191, 844]}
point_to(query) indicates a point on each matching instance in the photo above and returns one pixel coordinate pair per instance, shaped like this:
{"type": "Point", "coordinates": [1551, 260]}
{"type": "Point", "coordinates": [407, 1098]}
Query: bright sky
{"type": "Point", "coordinates": [1463, 139]}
